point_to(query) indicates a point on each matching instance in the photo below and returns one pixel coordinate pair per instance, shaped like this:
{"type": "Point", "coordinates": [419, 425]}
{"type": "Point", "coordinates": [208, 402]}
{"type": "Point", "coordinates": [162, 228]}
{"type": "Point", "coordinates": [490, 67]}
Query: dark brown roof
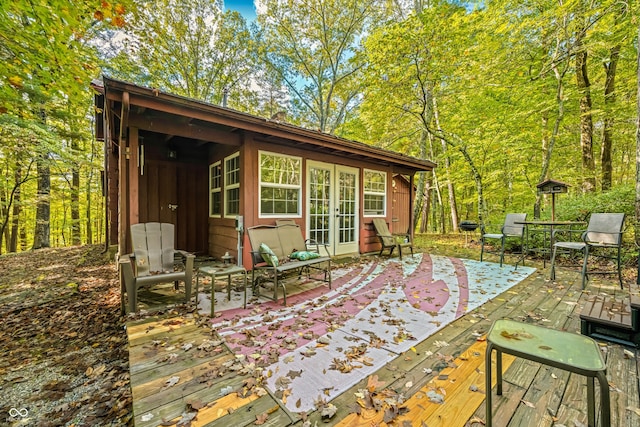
{"type": "Point", "coordinates": [230, 120]}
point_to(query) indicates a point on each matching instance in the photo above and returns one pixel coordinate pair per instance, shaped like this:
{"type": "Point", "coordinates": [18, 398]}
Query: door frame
{"type": "Point", "coordinates": [334, 245]}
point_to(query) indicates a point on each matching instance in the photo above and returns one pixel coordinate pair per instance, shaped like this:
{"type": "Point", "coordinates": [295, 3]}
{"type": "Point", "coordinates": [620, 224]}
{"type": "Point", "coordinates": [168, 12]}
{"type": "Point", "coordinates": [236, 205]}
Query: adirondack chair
{"type": "Point", "coordinates": [391, 241]}
{"type": "Point", "coordinates": [152, 262]}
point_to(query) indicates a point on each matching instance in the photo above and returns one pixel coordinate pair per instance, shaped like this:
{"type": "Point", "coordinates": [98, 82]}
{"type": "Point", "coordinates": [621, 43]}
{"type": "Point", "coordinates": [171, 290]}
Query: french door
{"type": "Point", "coordinates": [332, 206]}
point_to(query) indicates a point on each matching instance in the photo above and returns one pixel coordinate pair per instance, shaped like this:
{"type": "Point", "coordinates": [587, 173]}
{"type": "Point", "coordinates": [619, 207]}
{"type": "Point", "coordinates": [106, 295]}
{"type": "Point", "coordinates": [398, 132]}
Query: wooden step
{"type": "Point", "coordinates": [610, 319]}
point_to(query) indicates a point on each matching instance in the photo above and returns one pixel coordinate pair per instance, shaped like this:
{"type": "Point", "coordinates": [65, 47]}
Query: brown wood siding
{"type": "Point", "coordinates": [193, 201]}
{"type": "Point", "coordinates": [222, 237]}
{"type": "Point", "coordinates": [400, 214]}
{"type": "Point", "coordinates": [369, 240]}
{"type": "Point", "coordinates": [174, 182]}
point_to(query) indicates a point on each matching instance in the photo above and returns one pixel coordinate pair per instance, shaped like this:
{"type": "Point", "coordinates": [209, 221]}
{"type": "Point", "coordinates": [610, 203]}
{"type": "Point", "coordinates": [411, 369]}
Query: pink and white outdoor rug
{"type": "Point", "coordinates": [325, 340]}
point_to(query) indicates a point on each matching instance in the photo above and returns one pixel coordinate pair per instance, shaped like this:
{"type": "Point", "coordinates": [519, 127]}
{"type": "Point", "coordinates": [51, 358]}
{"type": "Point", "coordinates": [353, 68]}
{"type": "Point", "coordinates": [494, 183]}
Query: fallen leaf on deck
{"type": "Point", "coordinates": [355, 408]}
{"type": "Point", "coordinates": [285, 394]}
{"type": "Point", "coordinates": [633, 409]}
{"type": "Point", "coordinates": [171, 382]}
{"type": "Point", "coordinates": [328, 411]}
{"type": "Point", "coordinates": [294, 374]}
{"type": "Point", "coordinates": [283, 382]}
{"type": "Point", "coordinates": [435, 397]}
{"type": "Point", "coordinates": [373, 383]}
{"type": "Point", "coordinates": [185, 420]}
{"type": "Point", "coordinates": [226, 390]}
{"type": "Point", "coordinates": [195, 404]}
{"type": "Point", "coordinates": [529, 404]}
{"type": "Point", "coordinates": [261, 419]}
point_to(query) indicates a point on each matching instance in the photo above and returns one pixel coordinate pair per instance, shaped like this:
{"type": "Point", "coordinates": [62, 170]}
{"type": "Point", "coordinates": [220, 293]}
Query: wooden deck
{"type": "Point", "coordinates": [534, 394]}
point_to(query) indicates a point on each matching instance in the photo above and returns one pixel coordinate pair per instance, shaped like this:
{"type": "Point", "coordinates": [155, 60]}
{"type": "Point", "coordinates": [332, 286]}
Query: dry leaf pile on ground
{"type": "Point", "coordinates": [63, 348]}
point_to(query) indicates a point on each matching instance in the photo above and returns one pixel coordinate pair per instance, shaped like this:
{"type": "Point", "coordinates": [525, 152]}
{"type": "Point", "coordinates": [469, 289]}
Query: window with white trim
{"type": "Point", "coordinates": [215, 189]}
{"type": "Point", "coordinates": [232, 185]}
{"type": "Point", "coordinates": [375, 193]}
{"type": "Point", "coordinates": [280, 185]}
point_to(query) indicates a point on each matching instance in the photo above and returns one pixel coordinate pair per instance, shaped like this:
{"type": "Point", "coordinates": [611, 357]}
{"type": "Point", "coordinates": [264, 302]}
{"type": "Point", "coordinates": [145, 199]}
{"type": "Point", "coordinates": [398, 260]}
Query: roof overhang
{"type": "Point", "coordinates": [153, 110]}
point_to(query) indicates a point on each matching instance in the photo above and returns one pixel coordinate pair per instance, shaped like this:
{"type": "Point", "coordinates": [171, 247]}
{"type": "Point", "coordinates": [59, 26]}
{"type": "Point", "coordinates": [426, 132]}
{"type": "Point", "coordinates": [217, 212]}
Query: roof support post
{"type": "Point", "coordinates": [123, 184]}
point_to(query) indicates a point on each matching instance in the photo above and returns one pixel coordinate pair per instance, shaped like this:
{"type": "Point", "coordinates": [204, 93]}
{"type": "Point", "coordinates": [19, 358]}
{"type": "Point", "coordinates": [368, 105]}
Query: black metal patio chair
{"type": "Point", "coordinates": [601, 239]}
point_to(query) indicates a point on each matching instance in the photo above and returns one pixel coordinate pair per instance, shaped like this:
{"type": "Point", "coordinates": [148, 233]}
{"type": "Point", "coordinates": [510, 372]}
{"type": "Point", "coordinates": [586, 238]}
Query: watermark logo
{"type": "Point", "coordinates": [18, 413]}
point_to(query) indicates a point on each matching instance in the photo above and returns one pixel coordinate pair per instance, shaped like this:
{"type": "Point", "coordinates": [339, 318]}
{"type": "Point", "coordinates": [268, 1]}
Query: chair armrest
{"type": "Point", "coordinates": [406, 236]}
{"type": "Point", "coordinates": [185, 254]}
{"type": "Point", "coordinates": [125, 265]}
{"type": "Point", "coordinates": [190, 258]}
{"type": "Point", "coordinates": [258, 262]}
{"type": "Point", "coordinates": [488, 228]}
{"type": "Point", "coordinates": [593, 242]}
{"type": "Point", "coordinates": [313, 242]}
{"type": "Point", "coordinates": [570, 232]}
{"type": "Point", "coordinates": [256, 258]}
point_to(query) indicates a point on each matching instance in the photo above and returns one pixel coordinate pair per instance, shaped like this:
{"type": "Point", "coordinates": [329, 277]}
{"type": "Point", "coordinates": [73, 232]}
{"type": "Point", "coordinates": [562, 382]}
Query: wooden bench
{"type": "Point", "coordinates": [610, 319]}
{"type": "Point", "coordinates": [284, 240]}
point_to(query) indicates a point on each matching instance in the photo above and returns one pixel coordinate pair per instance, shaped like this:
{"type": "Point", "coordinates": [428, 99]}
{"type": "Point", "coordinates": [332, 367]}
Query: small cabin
{"type": "Point", "coordinates": [214, 171]}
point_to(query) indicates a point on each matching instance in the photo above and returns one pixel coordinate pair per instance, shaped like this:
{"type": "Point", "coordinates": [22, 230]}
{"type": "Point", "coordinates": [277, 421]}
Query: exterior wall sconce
{"type": "Point", "coordinates": [172, 153]}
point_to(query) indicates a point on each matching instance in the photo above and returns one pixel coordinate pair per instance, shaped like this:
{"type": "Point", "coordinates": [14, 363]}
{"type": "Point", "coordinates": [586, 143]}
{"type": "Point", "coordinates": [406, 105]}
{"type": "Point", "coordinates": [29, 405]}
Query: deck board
{"type": "Point", "coordinates": [202, 377]}
{"type": "Point", "coordinates": [557, 396]}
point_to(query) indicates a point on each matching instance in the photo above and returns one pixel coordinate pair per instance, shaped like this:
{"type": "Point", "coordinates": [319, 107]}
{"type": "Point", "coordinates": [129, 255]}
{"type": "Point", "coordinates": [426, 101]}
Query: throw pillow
{"type": "Point", "coordinates": [268, 256]}
{"type": "Point", "coordinates": [304, 255]}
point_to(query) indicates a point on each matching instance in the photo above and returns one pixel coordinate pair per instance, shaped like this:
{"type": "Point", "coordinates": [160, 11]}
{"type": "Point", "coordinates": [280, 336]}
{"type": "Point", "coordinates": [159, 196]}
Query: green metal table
{"type": "Point", "coordinates": [563, 350]}
{"type": "Point", "coordinates": [223, 270]}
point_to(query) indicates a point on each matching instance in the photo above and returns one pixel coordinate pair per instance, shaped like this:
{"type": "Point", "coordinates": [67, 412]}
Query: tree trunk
{"type": "Point", "coordinates": [549, 141]}
{"type": "Point", "coordinates": [88, 213]}
{"type": "Point", "coordinates": [15, 214]}
{"type": "Point", "coordinates": [424, 223]}
{"type": "Point", "coordinates": [75, 200]}
{"type": "Point", "coordinates": [43, 208]}
{"type": "Point", "coordinates": [546, 156]}
{"type": "Point", "coordinates": [4, 214]}
{"type": "Point", "coordinates": [607, 132]}
{"type": "Point", "coordinates": [637, 227]}
{"type": "Point", "coordinates": [586, 123]}
{"type": "Point", "coordinates": [447, 172]}
{"type": "Point", "coordinates": [420, 194]}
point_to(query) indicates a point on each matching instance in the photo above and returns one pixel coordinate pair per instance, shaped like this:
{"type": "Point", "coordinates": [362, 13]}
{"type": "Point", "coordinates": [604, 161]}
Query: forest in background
{"type": "Point", "coordinates": [500, 94]}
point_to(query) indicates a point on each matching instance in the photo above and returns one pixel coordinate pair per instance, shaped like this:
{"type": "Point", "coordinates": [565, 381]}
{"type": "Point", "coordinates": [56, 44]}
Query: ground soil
{"type": "Point", "coordinates": [63, 348]}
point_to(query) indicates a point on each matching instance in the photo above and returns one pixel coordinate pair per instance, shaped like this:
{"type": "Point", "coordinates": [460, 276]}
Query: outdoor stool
{"type": "Point", "coordinates": [610, 319]}
{"type": "Point", "coordinates": [563, 350]}
{"type": "Point", "coordinates": [224, 270]}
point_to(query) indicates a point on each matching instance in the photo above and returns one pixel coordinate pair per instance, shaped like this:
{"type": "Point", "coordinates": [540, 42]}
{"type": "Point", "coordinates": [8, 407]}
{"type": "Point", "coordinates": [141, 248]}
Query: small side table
{"type": "Point", "coordinates": [224, 270]}
{"type": "Point", "coordinates": [563, 350]}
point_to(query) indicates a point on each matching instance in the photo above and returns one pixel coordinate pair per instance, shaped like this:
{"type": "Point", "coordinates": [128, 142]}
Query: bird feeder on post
{"type": "Point", "coordinates": [552, 187]}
